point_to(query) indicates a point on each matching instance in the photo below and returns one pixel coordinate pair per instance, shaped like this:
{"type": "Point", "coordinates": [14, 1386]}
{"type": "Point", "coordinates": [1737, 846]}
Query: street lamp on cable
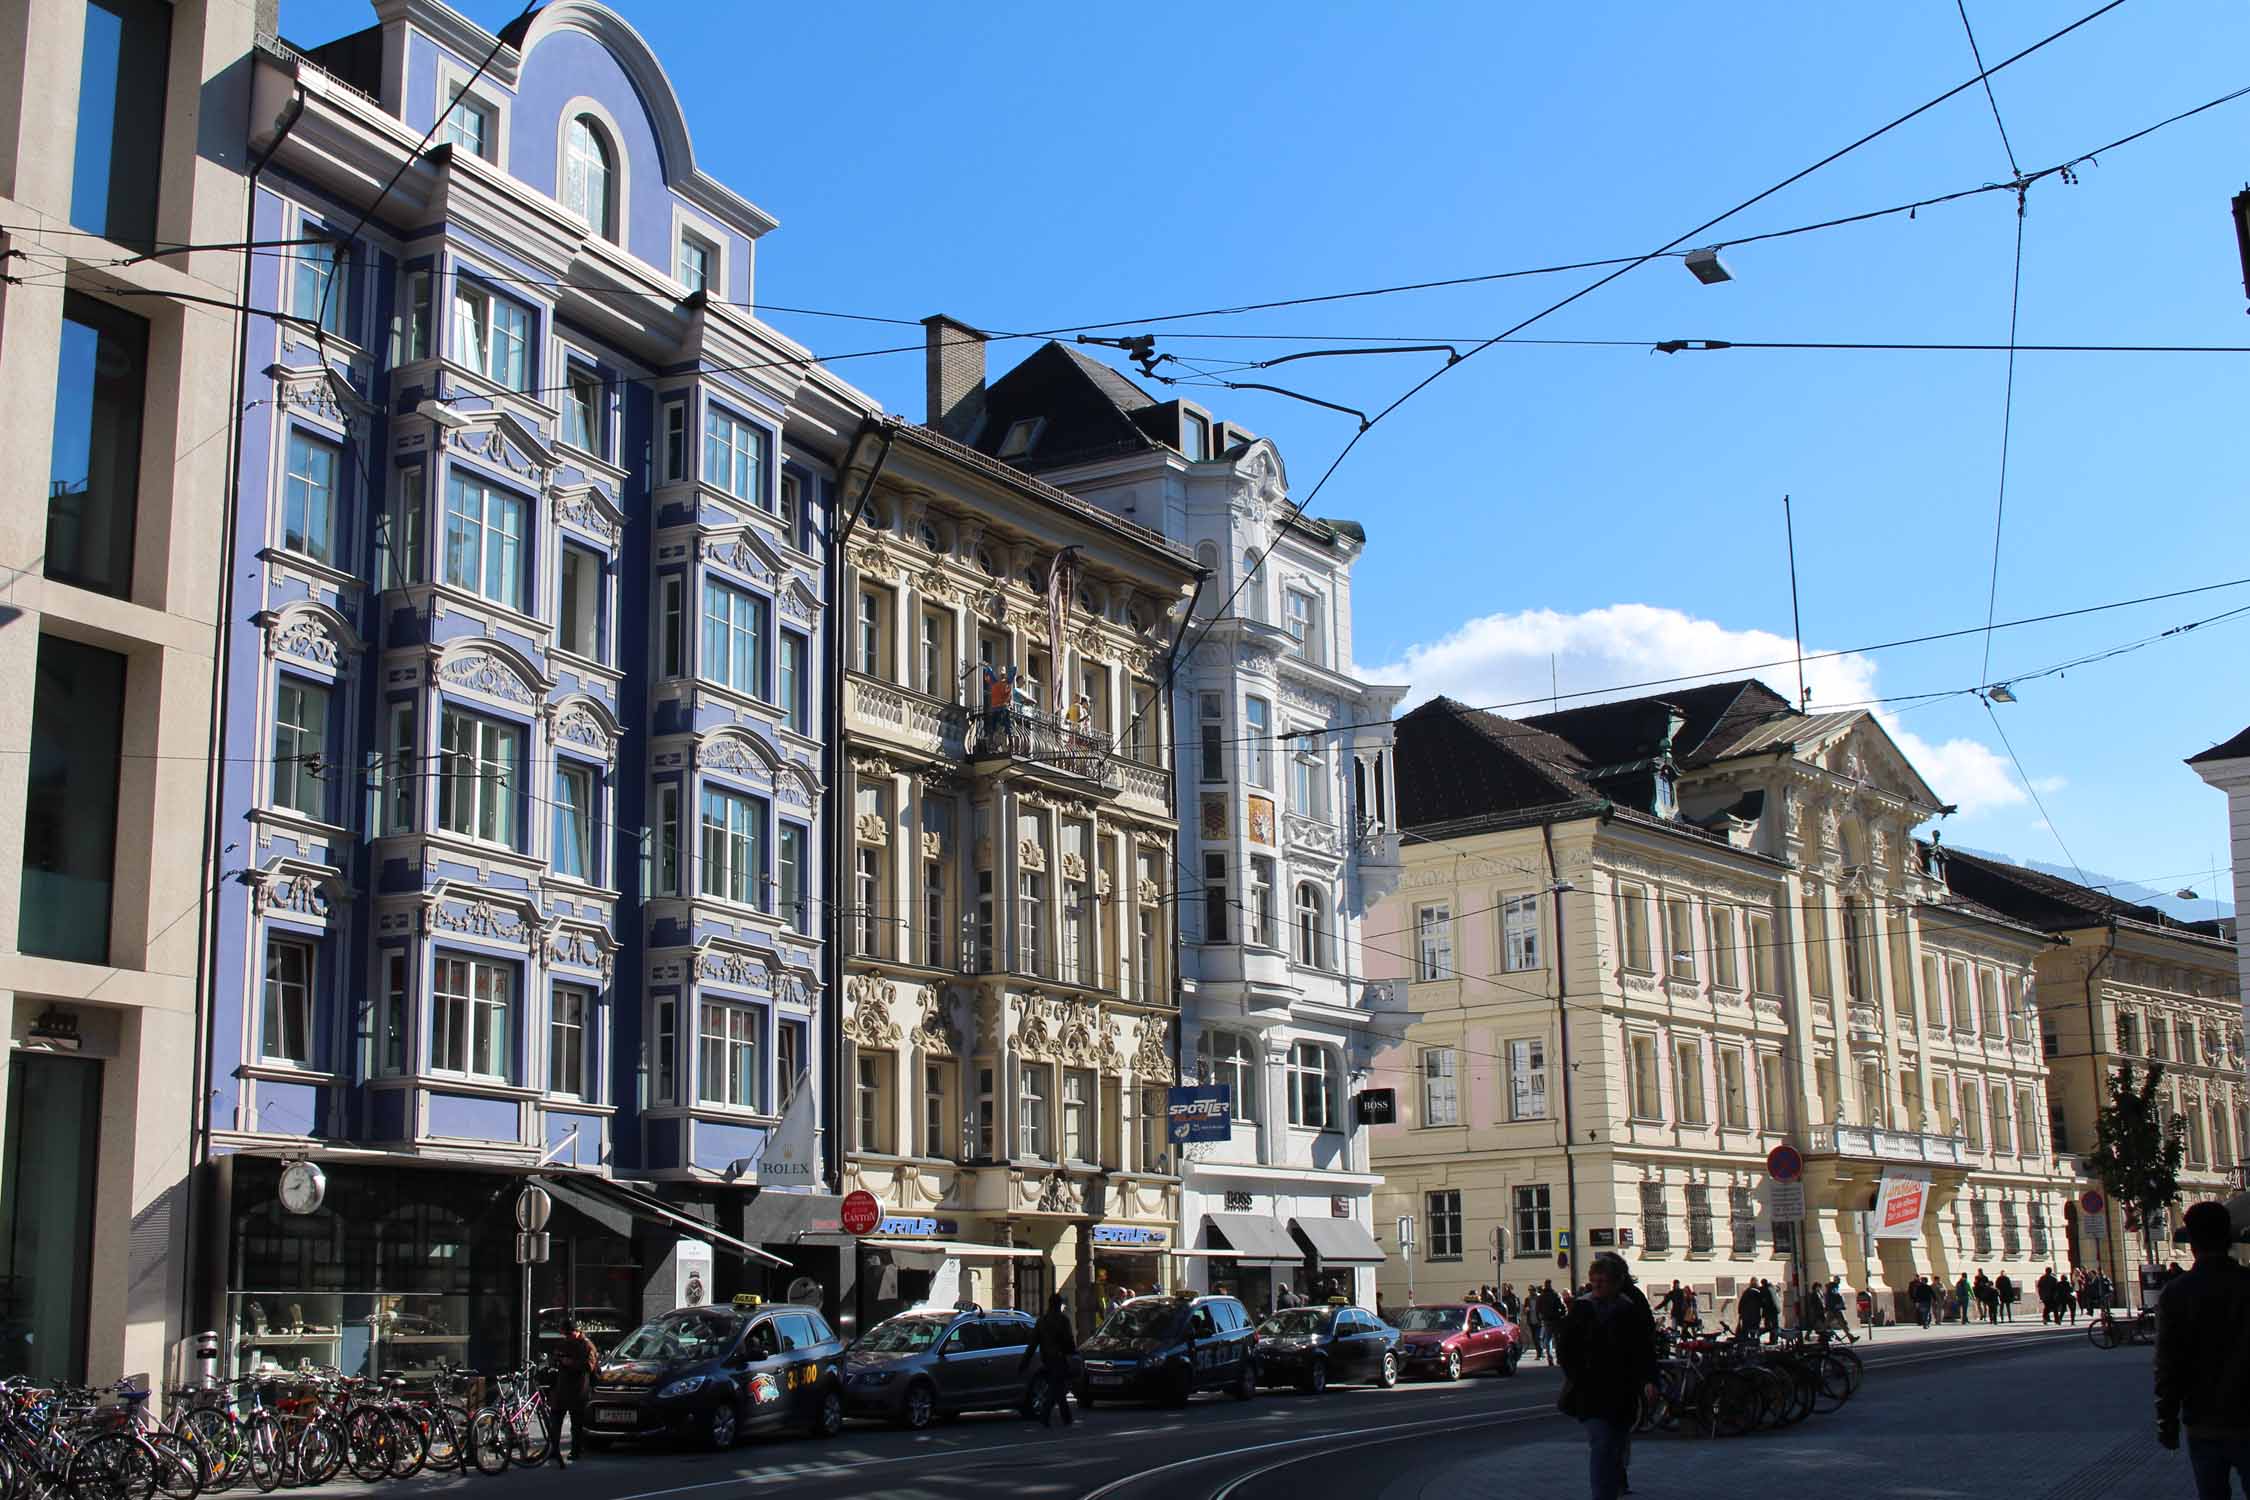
{"type": "Point", "coordinates": [1706, 266]}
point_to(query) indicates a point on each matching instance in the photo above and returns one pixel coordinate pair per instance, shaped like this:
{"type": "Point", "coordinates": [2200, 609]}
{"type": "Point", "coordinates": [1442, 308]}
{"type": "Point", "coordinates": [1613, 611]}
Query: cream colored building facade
{"type": "Point", "coordinates": [1722, 898]}
{"type": "Point", "coordinates": [1009, 1015]}
{"type": "Point", "coordinates": [120, 127]}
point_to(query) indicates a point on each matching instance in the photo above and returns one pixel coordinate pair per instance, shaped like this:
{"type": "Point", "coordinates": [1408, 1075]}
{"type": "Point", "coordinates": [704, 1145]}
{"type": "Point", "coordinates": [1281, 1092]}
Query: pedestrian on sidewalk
{"type": "Point", "coordinates": [1054, 1345]}
{"type": "Point", "coordinates": [2004, 1293]}
{"type": "Point", "coordinates": [2202, 1377]}
{"type": "Point", "coordinates": [2049, 1312]}
{"type": "Point", "coordinates": [570, 1388]}
{"type": "Point", "coordinates": [1607, 1345]}
{"type": "Point", "coordinates": [1749, 1313]}
{"type": "Point", "coordinates": [1550, 1319]}
{"type": "Point", "coordinates": [1961, 1296]}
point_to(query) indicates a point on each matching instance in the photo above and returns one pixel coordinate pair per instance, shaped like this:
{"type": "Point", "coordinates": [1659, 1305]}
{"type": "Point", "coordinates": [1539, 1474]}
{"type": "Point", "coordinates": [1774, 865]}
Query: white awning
{"type": "Point", "coordinates": [958, 1248]}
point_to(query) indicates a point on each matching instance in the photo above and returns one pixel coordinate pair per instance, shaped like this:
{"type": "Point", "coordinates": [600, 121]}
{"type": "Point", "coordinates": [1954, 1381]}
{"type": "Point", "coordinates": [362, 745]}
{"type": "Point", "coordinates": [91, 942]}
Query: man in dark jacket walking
{"type": "Point", "coordinates": [1055, 1345]}
{"type": "Point", "coordinates": [2203, 1357]}
{"type": "Point", "coordinates": [570, 1389]}
{"type": "Point", "coordinates": [1607, 1345]}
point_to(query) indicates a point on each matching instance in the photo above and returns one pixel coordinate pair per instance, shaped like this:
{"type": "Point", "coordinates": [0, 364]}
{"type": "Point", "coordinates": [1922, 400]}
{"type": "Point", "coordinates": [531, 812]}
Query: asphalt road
{"type": "Point", "coordinates": [1361, 1443]}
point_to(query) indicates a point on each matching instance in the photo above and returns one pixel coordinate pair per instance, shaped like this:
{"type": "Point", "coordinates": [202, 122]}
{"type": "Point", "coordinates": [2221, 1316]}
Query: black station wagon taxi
{"type": "Point", "coordinates": [710, 1374]}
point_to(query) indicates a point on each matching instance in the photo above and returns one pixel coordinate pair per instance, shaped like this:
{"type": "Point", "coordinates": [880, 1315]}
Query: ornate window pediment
{"type": "Point", "coordinates": [320, 390]}
{"type": "Point", "coordinates": [740, 968]}
{"type": "Point", "coordinates": [585, 508]}
{"type": "Point", "coordinates": [311, 632]}
{"type": "Point", "coordinates": [739, 752]}
{"type": "Point", "coordinates": [584, 723]}
{"type": "Point", "coordinates": [505, 441]}
{"type": "Point", "coordinates": [743, 550]}
{"type": "Point", "coordinates": [486, 668]}
{"type": "Point", "coordinates": [299, 888]}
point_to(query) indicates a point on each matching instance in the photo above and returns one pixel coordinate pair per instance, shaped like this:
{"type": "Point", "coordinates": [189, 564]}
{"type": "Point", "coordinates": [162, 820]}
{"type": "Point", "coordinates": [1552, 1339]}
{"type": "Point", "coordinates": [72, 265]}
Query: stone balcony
{"type": "Point", "coordinates": [879, 711]}
{"type": "Point", "coordinates": [1867, 1143]}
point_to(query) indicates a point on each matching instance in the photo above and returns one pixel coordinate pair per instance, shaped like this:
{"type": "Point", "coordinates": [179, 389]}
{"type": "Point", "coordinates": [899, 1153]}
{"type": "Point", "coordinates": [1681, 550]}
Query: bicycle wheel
{"type": "Point", "coordinates": [443, 1429]}
{"type": "Point", "coordinates": [527, 1429]}
{"type": "Point", "coordinates": [2144, 1328]}
{"type": "Point", "coordinates": [488, 1442]}
{"type": "Point", "coordinates": [1731, 1408]}
{"type": "Point", "coordinates": [370, 1441]}
{"type": "Point", "coordinates": [219, 1435]}
{"type": "Point", "coordinates": [262, 1450]}
{"type": "Point", "coordinates": [413, 1450]}
{"type": "Point", "coordinates": [1835, 1385]}
{"type": "Point", "coordinates": [320, 1450]}
{"type": "Point", "coordinates": [183, 1470]}
{"type": "Point", "coordinates": [113, 1466]}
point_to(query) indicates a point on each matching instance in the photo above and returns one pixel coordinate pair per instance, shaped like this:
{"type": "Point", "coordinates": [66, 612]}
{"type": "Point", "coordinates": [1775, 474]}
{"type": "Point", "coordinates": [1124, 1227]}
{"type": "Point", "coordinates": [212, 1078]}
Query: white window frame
{"type": "Point", "coordinates": [1312, 1087]}
{"type": "Point", "coordinates": [300, 738]}
{"type": "Point", "coordinates": [570, 1007]}
{"type": "Point", "coordinates": [304, 490]}
{"type": "Point", "coordinates": [1441, 1088]}
{"type": "Point", "coordinates": [731, 848]}
{"type": "Point", "coordinates": [1257, 731]}
{"type": "Point", "coordinates": [462, 988]}
{"type": "Point", "coordinates": [1519, 933]}
{"type": "Point", "coordinates": [601, 149]}
{"type": "Point", "coordinates": [1527, 1078]}
{"type": "Point", "coordinates": [481, 512]}
{"type": "Point", "coordinates": [483, 322]}
{"type": "Point", "coordinates": [742, 451]}
{"type": "Point", "coordinates": [737, 635]}
{"type": "Point", "coordinates": [285, 1032]}
{"type": "Point", "coordinates": [1633, 946]}
{"type": "Point", "coordinates": [481, 759]}
{"type": "Point", "coordinates": [577, 809]}
{"type": "Point", "coordinates": [1433, 942]}
{"type": "Point", "coordinates": [727, 1055]}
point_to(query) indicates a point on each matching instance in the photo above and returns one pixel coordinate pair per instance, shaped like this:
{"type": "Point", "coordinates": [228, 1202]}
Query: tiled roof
{"type": "Point", "coordinates": [2237, 748]}
{"type": "Point", "coordinates": [2047, 902]}
{"type": "Point", "coordinates": [1716, 715]}
{"type": "Point", "coordinates": [1084, 408]}
{"type": "Point", "coordinates": [1453, 761]}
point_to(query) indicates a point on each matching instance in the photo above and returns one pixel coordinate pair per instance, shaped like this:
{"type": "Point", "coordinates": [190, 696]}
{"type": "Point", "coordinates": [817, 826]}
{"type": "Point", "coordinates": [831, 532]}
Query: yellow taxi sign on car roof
{"type": "Point", "coordinates": [1185, 1293]}
{"type": "Point", "coordinates": [1339, 1302]}
{"type": "Point", "coordinates": [748, 1299]}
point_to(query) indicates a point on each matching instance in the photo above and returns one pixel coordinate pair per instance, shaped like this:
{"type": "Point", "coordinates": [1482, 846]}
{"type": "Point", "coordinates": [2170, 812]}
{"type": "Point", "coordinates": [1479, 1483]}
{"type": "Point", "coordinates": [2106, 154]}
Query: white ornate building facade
{"type": "Point", "coordinates": [1287, 833]}
{"type": "Point", "coordinates": [1009, 1011]}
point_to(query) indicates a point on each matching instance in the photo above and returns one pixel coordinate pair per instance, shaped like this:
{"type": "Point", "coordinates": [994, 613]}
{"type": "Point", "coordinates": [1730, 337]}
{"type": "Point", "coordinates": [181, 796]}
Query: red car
{"type": "Point", "coordinates": [1453, 1339]}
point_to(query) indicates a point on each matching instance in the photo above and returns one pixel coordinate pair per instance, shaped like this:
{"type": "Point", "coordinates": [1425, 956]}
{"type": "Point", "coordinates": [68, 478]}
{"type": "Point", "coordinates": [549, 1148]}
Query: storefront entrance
{"type": "Point", "coordinates": [53, 1138]}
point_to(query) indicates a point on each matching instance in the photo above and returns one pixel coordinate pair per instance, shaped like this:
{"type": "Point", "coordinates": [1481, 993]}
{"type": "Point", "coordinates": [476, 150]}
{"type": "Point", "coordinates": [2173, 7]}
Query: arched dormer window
{"type": "Point", "coordinates": [590, 175]}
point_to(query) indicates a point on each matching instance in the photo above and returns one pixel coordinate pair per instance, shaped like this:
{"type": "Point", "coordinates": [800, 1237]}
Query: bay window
{"type": "Point", "coordinates": [477, 789]}
{"type": "Point", "coordinates": [734, 838]}
{"type": "Point", "coordinates": [727, 1072]}
{"type": "Point", "coordinates": [492, 335]}
{"type": "Point", "coordinates": [734, 456]}
{"type": "Point", "coordinates": [484, 539]}
{"type": "Point", "coordinates": [735, 631]}
{"type": "Point", "coordinates": [473, 999]}
{"type": "Point", "coordinates": [575, 790]}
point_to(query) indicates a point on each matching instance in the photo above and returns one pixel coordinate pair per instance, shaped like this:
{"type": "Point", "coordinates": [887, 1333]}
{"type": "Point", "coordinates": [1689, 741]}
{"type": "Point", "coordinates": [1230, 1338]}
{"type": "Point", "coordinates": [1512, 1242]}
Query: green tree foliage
{"type": "Point", "coordinates": [2138, 1145]}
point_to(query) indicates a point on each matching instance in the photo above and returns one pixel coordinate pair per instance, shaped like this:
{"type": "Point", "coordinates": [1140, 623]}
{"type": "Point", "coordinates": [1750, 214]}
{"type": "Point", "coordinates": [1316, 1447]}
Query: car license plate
{"type": "Point", "coordinates": [1109, 1380]}
{"type": "Point", "coordinates": [612, 1416]}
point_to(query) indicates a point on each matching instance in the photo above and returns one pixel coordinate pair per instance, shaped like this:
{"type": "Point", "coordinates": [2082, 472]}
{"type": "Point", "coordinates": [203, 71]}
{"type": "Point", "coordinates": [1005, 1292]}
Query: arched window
{"type": "Point", "coordinates": [589, 173]}
{"type": "Point", "coordinates": [1232, 1059]}
{"type": "Point", "coordinates": [1310, 925]}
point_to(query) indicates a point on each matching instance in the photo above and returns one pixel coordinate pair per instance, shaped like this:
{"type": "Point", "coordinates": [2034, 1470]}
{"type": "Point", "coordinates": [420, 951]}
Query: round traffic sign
{"type": "Point", "coordinates": [1783, 1164]}
{"type": "Point", "coordinates": [861, 1212]}
{"type": "Point", "coordinates": [533, 1205]}
{"type": "Point", "coordinates": [2092, 1202]}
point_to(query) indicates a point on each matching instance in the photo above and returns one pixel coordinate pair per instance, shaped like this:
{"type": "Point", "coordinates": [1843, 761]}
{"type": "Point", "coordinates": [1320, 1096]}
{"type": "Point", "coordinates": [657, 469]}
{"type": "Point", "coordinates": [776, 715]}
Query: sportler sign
{"type": "Point", "coordinates": [1899, 1202]}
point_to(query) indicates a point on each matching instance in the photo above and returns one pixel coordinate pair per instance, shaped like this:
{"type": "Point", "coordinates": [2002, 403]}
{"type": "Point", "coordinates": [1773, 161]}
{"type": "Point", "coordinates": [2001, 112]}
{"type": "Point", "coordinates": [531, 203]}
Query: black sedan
{"type": "Point", "coordinates": [711, 1374]}
{"type": "Point", "coordinates": [1307, 1347]}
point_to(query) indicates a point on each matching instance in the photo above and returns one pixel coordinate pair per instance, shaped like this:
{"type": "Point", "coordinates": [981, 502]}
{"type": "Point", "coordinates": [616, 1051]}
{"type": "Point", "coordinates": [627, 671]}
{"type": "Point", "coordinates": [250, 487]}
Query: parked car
{"type": "Point", "coordinates": [1453, 1339]}
{"type": "Point", "coordinates": [1308, 1347]}
{"type": "Point", "coordinates": [919, 1366]}
{"type": "Point", "coordinates": [1168, 1348]}
{"type": "Point", "coordinates": [714, 1373]}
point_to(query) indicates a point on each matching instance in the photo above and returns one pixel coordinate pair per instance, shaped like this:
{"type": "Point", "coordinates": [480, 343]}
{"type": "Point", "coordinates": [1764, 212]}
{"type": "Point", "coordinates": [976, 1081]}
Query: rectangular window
{"type": "Point", "coordinates": [396, 1026]}
{"type": "Point", "coordinates": [937, 1107]}
{"type": "Point", "coordinates": [118, 158]}
{"type": "Point", "coordinates": [1311, 1087]}
{"type": "Point", "coordinates": [1304, 786]}
{"type": "Point", "coordinates": [1679, 938]}
{"type": "Point", "coordinates": [2003, 1137]}
{"type": "Point", "coordinates": [471, 1017]}
{"type": "Point", "coordinates": [1656, 1224]}
{"type": "Point", "coordinates": [1535, 1220]}
{"type": "Point", "coordinates": [579, 630]}
{"type": "Point", "coordinates": [789, 854]}
{"type": "Point", "coordinates": [300, 738]}
{"type": "Point", "coordinates": [696, 260]}
{"type": "Point", "coordinates": [666, 838]}
{"type": "Point", "coordinates": [417, 313]}
{"type": "Point", "coordinates": [1632, 924]}
{"type": "Point", "coordinates": [468, 126]}
{"type": "Point", "coordinates": [1764, 972]}
{"type": "Point", "coordinates": [1725, 972]}
{"type": "Point", "coordinates": [1972, 1116]}
{"type": "Point", "coordinates": [402, 769]}
{"type": "Point", "coordinates": [1988, 1005]}
{"type": "Point", "coordinates": [484, 540]}
{"type": "Point", "coordinates": [1687, 1082]}
{"type": "Point", "coordinates": [1155, 1151]}
{"type": "Point", "coordinates": [1933, 993]}
{"type": "Point", "coordinates": [1433, 942]}
{"type": "Point", "coordinates": [1699, 1236]}
{"type": "Point", "coordinates": [1819, 964]}
{"type": "Point", "coordinates": [675, 447]}
{"type": "Point", "coordinates": [792, 510]}
{"type": "Point", "coordinates": [2027, 1123]}
{"type": "Point", "coordinates": [492, 336]}
{"type": "Point", "coordinates": [867, 903]}
{"type": "Point", "coordinates": [399, 537]}
{"type": "Point", "coordinates": [988, 1119]}
{"type": "Point", "coordinates": [671, 625]}
{"type": "Point", "coordinates": [871, 1116]}
{"type": "Point", "coordinates": [1078, 1115]}
{"type": "Point", "coordinates": [286, 1035]}
{"type": "Point", "coordinates": [1262, 902]}
{"type": "Point", "coordinates": [1031, 923]}
{"type": "Point", "coordinates": [795, 652]}
{"type": "Point", "coordinates": [1527, 1079]}
{"type": "Point", "coordinates": [932, 660]}
{"type": "Point", "coordinates": [736, 627]}
{"type": "Point", "coordinates": [321, 289]}
{"type": "Point", "coordinates": [1444, 1210]}
{"type": "Point", "coordinates": [1031, 1110]}
{"type": "Point", "coordinates": [308, 498]}
{"type": "Point", "coordinates": [1297, 616]}
{"type": "Point", "coordinates": [867, 642]}
{"type": "Point", "coordinates": [1212, 724]}
{"type": "Point", "coordinates": [1742, 1218]}
{"type": "Point", "coordinates": [94, 463]}
{"type": "Point", "coordinates": [728, 1057]}
{"type": "Point", "coordinates": [788, 1061]}
{"type": "Point", "coordinates": [1734, 1094]}
{"type": "Point", "coordinates": [1519, 933]}
{"type": "Point", "coordinates": [1773, 1098]}
{"type": "Point", "coordinates": [1441, 1098]}
{"type": "Point", "coordinates": [1216, 898]}
{"type": "Point", "coordinates": [1257, 724]}
{"type": "Point", "coordinates": [566, 1039]}
{"type": "Point", "coordinates": [734, 456]}
{"type": "Point", "coordinates": [477, 791]}
{"type": "Point", "coordinates": [734, 846]}
{"type": "Point", "coordinates": [585, 412]}
{"type": "Point", "coordinates": [1647, 1100]}
{"type": "Point", "coordinates": [575, 790]}
{"type": "Point", "coordinates": [666, 1048]}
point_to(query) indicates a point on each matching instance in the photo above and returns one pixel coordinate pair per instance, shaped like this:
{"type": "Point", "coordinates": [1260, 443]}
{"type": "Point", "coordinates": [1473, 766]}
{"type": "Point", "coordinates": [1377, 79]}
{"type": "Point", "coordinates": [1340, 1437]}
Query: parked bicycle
{"type": "Point", "coordinates": [2108, 1331]}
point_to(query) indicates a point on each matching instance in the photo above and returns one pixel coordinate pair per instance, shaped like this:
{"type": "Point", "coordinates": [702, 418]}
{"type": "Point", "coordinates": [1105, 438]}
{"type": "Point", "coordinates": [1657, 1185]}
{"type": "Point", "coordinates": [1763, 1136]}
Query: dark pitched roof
{"type": "Point", "coordinates": [1453, 761]}
{"type": "Point", "coordinates": [2237, 748]}
{"type": "Point", "coordinates": [1715, 715]}
{"type": "Point", "coordinates": [1086, 410]}
{"type": "Point", "coordinates": [2047, 902]}
{"type": "Point", "coordinates": [1036, 488]}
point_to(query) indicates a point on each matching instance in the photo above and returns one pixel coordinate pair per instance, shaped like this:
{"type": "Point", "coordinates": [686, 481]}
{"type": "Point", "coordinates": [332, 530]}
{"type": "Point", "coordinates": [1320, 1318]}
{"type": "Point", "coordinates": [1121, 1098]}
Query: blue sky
{"type": "Point", "coordinates": [1027, 166]}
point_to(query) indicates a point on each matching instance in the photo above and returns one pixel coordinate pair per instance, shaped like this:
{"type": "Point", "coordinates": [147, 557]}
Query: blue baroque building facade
{"type": "Point", "coordinates": [523, 706]}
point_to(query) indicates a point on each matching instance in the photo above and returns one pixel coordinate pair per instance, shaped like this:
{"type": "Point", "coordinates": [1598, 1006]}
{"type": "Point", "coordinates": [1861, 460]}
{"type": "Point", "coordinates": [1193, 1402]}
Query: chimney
{"type": "Point", "coordinates": [954, 377]}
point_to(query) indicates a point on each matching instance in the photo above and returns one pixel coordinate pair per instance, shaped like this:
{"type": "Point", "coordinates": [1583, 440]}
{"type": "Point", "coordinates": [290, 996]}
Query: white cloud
{"type": "Point", "coordinates": [1504, 659]}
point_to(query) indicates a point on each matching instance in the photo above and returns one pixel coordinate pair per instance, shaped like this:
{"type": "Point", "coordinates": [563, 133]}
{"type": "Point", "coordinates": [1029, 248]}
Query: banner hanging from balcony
{"type": "Point", "coordinates": [1062, 582]}
{"type": "Point", "coordinates": [1899, 1202]}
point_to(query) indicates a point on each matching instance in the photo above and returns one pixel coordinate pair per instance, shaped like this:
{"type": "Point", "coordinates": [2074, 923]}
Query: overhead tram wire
{"type": "Point", "coordinates": [1298, 505]}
